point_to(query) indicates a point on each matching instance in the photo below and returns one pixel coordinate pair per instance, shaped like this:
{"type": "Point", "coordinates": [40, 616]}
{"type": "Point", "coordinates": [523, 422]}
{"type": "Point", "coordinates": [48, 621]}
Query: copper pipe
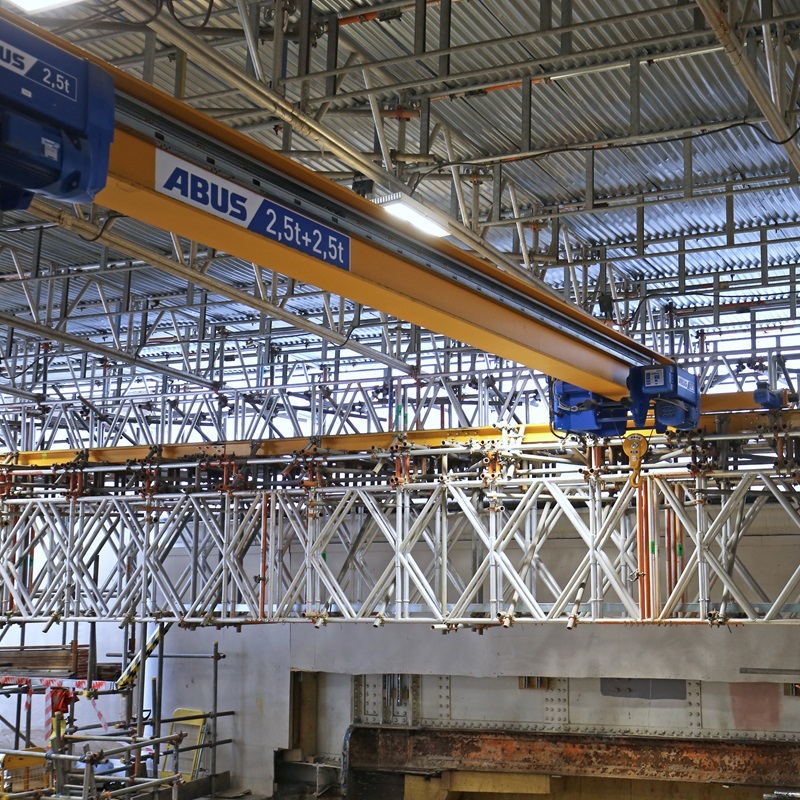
{"type": "Point", "coordinates": [679, 543]}
{"type": "Point", "coordinates": [648, 597]}
{"type": "Point", "coordinates": [664, 623]}
{"type": "Point", "coordinates": [640, 528]}
{"type": "Point", "coordinates": [642, 538]}
{"type": "Point", "coordinates": [352, 19]}
{"type": "Point", "coordinates": [671, 545]}
{"type": "Point", "coordinates": [358, 18]}
{"type": "Point", "coordinates": [262, 590]}
{"type": "Point", "coordinates": [667, 543]}
{"type": "Point", "coordinates": [503, 86]}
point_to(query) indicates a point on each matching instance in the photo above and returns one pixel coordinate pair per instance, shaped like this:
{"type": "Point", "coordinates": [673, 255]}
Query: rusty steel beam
{"type": "Point", "coordinates": [427, 751]}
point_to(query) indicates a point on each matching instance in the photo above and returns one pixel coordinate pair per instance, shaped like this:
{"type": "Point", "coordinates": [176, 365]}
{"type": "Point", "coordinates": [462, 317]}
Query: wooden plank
{"type": "Point", "coordinates": [496, 782]}
{"type": "Point", "coordinates": [422, 787]}
{"type": "Point", "coordinates": [70, 661]}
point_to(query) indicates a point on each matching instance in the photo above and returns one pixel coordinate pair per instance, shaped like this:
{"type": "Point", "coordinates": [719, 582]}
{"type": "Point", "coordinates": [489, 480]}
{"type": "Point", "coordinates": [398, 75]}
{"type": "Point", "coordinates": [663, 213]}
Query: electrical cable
{"type": "Point", "coordinates": [106, 9]}
{"type": "Point", "coordinates": [582, 148]}
{"type": "Point", "coordinates": [200, 26]}
{"type": "Point", "coordinates": [106, 223]}
{"type": "Point", "coordinates": [551, 412]}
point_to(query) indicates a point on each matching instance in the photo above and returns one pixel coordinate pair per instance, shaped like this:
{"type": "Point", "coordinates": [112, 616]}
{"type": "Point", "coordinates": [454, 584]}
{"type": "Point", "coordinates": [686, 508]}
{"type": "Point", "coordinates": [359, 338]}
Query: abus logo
{"type": "Point", "coordinates": [261, 215]}
{"type": "Point", "coordinates": [205, 192]}
{"type": "Point", "coordinates": [11, 58]}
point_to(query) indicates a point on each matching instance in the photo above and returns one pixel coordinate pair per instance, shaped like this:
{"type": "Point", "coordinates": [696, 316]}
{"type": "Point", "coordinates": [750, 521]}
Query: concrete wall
{"type": "Point", "coordinates": [254, 682]}
{"type": "Point", "coordinates": [482, 675]}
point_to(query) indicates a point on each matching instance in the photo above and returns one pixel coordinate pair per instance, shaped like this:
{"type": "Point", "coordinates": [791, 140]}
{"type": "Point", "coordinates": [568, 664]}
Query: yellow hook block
{"type": "Point", "coordinates": [635, 446]}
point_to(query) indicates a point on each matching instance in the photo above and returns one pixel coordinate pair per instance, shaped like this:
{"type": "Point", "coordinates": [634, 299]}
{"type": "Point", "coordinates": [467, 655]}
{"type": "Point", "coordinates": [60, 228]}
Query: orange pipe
{"type": "Point", "coordinates": [643, 556]}
{"type": "Point", "coordinates": [648, 598]}
{"type": "Point", "coordinates": [672, 550]}
{"type": "Point", "coordinates": [667, 540]}
{"type": "Point", "coordinates": [262, 593]}
{"type": "Point", "coordinates": [679, 544]}
{"type": "Point", "coordinates": [399, 113]}
{"type": "Point", "coordinates": [664, 623]}
{"type": "Point", "coordinates": [370, 15]}
{"type": "Point", "coordinates": [358, 18]}
{"type": "Point", "coordinates": [501, 87]}
{"type": "Point", "coordinates": [640, 527]}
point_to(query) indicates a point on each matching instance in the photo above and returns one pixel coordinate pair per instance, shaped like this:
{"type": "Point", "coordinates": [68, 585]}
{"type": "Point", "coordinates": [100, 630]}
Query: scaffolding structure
{"type": "Point", "coordinates": [302, 403]}
{"type": "Point", "coordinates": [478, 532]}
{"type": "Point", "coordinates": [131, 756]}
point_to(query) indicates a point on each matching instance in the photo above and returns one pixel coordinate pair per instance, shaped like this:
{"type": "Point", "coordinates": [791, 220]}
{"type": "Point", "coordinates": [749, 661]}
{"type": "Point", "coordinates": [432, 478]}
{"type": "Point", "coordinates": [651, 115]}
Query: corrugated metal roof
{"type": "Point", "coordinates": [685, 81]}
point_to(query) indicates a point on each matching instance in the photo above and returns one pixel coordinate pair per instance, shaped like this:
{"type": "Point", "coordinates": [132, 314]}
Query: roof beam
{"type": "Point", "coordinates": [717, 18]}
{"type": "Point", "coordinates": [517, 38]}
{"type": "Point", "coordinates": [304, 124]}
{"type": "Point", "coordinates": [377, 442]}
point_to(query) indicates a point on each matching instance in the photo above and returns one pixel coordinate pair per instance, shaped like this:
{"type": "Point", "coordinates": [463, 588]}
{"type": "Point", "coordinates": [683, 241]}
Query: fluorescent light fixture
{"type": "Point", "coordinates": [35, 6]}
{"type": "Point", "coordinates": [399, 206]}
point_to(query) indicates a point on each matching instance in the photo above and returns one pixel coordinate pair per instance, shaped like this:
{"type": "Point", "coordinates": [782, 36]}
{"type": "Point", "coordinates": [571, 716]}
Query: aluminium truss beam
{"type": "Point", "coordinates": [126, 246]}
{"type": "Point", "coordinates": [738, 407]}
{"type": "Point", "coordinates": [47, 333]}
{"type": "Point", "coordinates": [458, 551]}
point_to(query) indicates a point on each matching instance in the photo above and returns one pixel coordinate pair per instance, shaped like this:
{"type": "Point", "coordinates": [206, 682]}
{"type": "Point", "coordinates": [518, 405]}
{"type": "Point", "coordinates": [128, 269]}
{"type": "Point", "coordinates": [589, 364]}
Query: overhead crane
{"type": "Point", "coordinates": [175, 168]}
{"type": "Point", "coordinates": [160, 161]}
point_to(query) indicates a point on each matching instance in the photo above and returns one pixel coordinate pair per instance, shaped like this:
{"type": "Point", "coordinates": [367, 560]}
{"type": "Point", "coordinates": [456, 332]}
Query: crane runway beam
{"type": "Point", "coordinates": [737, 408]}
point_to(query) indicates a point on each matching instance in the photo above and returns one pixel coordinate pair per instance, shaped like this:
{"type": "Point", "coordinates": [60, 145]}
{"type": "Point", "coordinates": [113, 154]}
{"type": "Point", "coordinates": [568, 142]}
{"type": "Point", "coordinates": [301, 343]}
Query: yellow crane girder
{"type": "Point", "coordinates": [377, 276]}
